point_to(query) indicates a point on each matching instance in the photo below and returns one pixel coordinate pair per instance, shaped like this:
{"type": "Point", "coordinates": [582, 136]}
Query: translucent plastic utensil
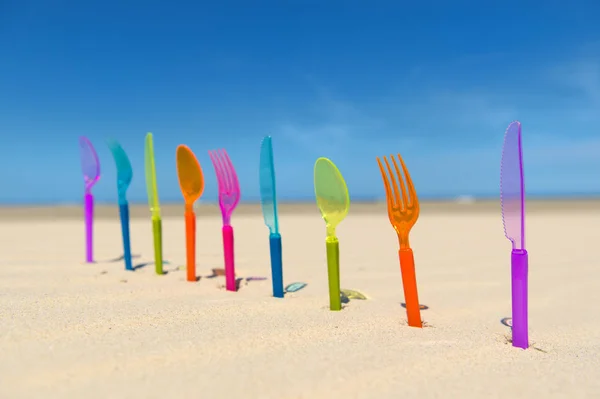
{"type": "Point", "coordinates": [124, 176]}
{"type": "Point", "coordinates": [512, 199]}
{"type": "Point", "coordinates": [90, 167]}
{"type": "Point", "coordinates": [191, 182]}
{"type": "Point", "coordinates": [229, 197]}
{"type": "Point", "coordinates": [268, 201]}
{"type": "Point", "coordinates": [333, 201]}
{"type": "Point", "coordinates": [153, 202]}
{"type": "Point", "coordinates": [403, 212]}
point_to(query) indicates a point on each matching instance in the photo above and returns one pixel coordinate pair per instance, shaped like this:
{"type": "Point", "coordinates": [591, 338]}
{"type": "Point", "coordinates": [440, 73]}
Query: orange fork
{"type": "Point", "coordinates": [403, 211]}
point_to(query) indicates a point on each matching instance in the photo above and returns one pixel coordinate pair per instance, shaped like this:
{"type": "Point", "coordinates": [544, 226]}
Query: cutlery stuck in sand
{"type": "Point", "coordinates": [512, 199]}
{"type": "Point", "coordinates": [191, 182]}
{"type": "Point", "coordinates": [333, 201]}
{"type": "Point", "coordinates": [153, 202]}
{"type": "Point", "coordinates": [124, 176]}
{"type": "Point", "coordinates": [229, 197]}
{"type": "Point", "coordinates": [403, 212]}
{"type": "Point", "coordinates": [268, 201]}
{"type": "Point", "coordinates": [90, 166]}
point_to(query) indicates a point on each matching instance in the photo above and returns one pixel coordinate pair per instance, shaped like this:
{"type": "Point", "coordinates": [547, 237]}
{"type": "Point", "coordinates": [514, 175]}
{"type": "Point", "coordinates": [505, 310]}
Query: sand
{"type": "Point", "coordinates": [75, 330]}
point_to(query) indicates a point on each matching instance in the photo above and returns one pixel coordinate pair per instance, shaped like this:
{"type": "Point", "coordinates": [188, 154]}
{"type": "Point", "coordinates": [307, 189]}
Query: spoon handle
{"type": "Point", "coordinates": [333, 270]}
{"type": "Point", "coordinates": [89, 228]}
{"type": "Point", "coordinates": [190, 245]}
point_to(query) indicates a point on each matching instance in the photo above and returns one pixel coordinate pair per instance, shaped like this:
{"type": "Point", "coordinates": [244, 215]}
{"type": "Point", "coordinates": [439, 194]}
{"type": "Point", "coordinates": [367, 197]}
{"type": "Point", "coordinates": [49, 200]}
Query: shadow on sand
{"type": "Point", "coordinates": [144, 264]}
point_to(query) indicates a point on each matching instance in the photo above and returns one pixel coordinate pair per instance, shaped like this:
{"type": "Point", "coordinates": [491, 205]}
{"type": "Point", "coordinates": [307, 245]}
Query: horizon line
{"type": "Point", "coordinates": [306, 200]}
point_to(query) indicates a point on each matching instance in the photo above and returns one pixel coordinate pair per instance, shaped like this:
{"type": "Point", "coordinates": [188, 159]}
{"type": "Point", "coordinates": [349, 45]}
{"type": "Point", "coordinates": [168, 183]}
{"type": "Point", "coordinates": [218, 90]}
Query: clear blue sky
{"type": "Point", "coordinates": [437, 82]}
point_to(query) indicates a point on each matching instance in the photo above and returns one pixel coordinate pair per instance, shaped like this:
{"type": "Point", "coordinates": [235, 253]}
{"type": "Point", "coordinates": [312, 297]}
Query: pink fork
{"type": "Point", "coordinates": [229, 196]}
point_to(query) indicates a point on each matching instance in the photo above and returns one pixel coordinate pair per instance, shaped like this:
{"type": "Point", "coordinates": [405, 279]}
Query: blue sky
{"type": "Point", "coordinates": [348, 80]}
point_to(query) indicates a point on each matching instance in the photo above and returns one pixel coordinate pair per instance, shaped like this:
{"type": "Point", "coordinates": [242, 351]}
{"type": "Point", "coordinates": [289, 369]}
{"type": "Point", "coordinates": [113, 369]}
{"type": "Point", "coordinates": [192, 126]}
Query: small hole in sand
{"type": "Point", "coordinates": [422, 307]}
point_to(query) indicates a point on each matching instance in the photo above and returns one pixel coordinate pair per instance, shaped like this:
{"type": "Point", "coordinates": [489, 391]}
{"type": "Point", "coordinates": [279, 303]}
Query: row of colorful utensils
{"type": "Point", "coordinates": [333, 201]}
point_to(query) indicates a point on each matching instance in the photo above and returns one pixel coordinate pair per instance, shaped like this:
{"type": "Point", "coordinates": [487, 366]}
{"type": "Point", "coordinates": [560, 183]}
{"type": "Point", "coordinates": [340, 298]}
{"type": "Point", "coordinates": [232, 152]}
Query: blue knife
{"type": "Point", "coordinates": [268, 201]}
{"type": "Point", "coordinates": [124, 176]}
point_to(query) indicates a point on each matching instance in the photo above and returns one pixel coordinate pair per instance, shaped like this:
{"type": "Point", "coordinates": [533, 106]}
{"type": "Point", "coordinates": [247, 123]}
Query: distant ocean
{"type": "Point", "coordinates": [464, 198]}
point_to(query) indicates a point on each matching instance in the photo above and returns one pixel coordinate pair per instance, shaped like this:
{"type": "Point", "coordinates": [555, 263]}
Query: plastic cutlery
{"type": "Point", "coordinates": [333, 201]}
{"type": "Point", "coordinates": [90, 166]}
{"type": "Point", "coordinates": [229, 197]}
{"type": "Point", "coordinates": [153, 202]}
{"type": "Point", "coordinates": [403, 212]}
{"type": "Point", "coordinates": [124, 176]}
{"type": "Point", "coordinates": [268, 201]}
{"type": "Point", "coordinates": [191, 182]}
{"type": "Point", "coordinates": [512, 199]}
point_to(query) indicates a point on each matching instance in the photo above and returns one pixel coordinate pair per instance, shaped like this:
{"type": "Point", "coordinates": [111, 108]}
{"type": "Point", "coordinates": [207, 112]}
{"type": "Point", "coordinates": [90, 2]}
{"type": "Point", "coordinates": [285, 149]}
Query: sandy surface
{"type": "Point", "coordinates": [74, 330]}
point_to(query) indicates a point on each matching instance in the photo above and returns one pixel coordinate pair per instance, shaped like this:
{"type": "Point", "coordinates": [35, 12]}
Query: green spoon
{"type": "Point", "coordinates": [333, 201]}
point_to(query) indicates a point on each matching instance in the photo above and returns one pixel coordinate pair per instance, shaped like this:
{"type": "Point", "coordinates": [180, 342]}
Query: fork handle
{"type": "Point", "coordinates": [229, 259]}
{"type": "Point", "coordinates": [519, 268]}
{"type": "Point", "coordinates": [409, 281]}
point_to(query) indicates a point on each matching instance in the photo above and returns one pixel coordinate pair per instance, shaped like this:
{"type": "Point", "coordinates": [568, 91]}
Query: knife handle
{"type": "Point", "coordinates": [276, 264]}
{"type": "Point", "coordinates": [157, 233]}
{"type": "Point", "coordinates": [409, 282]}
{"type": "Point", "coordinates": [124, 213]}
{"type": "Point", "coordinates": [519, 271]}
{"type": "Point", "coordinates": [89, 227]}
{"type": "Point", "coordinates": [190, 245]}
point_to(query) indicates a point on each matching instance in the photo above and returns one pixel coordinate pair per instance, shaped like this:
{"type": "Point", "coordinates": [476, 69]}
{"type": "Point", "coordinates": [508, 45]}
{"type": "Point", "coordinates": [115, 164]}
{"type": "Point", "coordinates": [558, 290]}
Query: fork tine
{"type": "Point", "coordinates": [386, 183]}
{"type": "Point", "coordinates": [221, 172]}
{"type": "Point", "coordinates": [405, 200]}
{"type": "Point", "coordinates": [234, 179]}
{"type": "Point", "coordinates": [411, 186]}
{"type": "Point", "coordinates": [397, 199]}
{"type": "Point", "coordinates": [213, 158]}
{"type": "Point", "coordinates": [226, 171]}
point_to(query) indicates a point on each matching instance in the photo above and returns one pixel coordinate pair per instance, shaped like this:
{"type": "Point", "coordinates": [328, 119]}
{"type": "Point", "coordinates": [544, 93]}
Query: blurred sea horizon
{"type": "Point", "coordinates": [466, 199]}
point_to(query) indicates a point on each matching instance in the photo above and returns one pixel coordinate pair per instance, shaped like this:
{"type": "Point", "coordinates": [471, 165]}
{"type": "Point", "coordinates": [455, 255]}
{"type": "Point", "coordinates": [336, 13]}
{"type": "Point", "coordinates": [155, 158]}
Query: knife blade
{"type": "Point", "coordinates": [151, 185]}
{"type": "Point", "coordinates": [124, 169]}
{"type": "Point", "coordinates": [268, 197]}
{"type": "Point", "coordinates": [512, 186]}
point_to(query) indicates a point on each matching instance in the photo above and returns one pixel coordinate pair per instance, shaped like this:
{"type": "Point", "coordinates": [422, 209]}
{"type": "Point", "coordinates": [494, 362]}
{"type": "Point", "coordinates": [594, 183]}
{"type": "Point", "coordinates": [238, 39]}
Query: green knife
{"type": "Point", "coordinates": [153, 202]}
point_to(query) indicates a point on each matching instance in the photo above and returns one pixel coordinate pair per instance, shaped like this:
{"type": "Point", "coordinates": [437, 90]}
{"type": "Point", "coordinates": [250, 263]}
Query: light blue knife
{"type": "Point", "coordinates": [124, 176]}
{"type": "Point", "coordinates": [268, 201]}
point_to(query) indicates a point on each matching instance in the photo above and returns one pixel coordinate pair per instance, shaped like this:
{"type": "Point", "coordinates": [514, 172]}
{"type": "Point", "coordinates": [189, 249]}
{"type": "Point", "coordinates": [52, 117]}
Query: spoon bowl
{"type": "Point", "coordinates": [331, 194]}
{"type": "Point", "coordinates": [90, 164]}
{"type": "Point", "coordinates": [189, 173]}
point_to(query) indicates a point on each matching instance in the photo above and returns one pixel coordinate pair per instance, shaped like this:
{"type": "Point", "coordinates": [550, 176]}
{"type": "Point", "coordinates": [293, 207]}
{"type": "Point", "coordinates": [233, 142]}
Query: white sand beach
{"type": "Point", "coordinates": [75, 330]}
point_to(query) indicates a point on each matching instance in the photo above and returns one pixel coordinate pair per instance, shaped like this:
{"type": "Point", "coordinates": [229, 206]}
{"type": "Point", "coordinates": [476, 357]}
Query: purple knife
{"type": "Point", "coordinates": [512, 199]}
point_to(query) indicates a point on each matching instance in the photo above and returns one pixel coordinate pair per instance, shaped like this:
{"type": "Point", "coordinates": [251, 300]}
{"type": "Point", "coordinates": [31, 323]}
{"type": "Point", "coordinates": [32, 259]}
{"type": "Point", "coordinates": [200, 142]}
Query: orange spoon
{"type": "Point", "coordinates": [191, 181]}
